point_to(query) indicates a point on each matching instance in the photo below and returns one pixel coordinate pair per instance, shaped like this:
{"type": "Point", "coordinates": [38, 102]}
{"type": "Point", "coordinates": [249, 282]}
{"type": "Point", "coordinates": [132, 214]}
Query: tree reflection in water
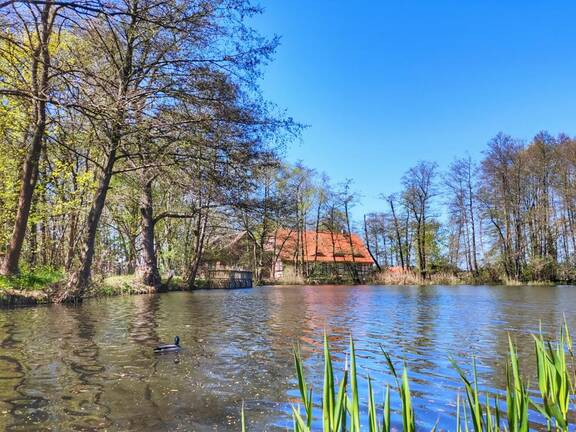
{"type": "Point", "coordinates": [92, 366]}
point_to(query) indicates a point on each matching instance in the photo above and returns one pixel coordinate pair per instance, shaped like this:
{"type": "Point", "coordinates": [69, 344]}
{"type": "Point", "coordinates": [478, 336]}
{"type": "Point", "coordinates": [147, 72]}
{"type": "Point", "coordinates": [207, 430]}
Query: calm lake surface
{"type": "Point", "coordinates": [92, 367]}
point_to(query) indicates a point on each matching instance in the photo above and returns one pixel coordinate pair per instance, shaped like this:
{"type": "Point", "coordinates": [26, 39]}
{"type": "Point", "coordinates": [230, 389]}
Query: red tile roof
{"type": "Point", "coordinates": [331, 247]}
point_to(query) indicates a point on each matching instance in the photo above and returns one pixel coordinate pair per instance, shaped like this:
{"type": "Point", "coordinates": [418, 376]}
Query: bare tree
{"type": "Point", "coordinates": [419, 189]}
{"type": "Point", "coordinates": [391, 199]}
{"type": "Point", "coordinates": [148, 57]}
{"type": "Point", "coordinates": [461, 203]}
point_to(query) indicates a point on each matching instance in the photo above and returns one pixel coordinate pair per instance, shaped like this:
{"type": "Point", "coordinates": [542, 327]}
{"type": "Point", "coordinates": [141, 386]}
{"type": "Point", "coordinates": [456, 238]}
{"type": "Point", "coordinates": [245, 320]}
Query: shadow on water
{"type": "Point", "coordinates": [84, 406]}
{"type": "Point", "coordinates": [92, 367]}
{"type": "Point", "coordinates": [16, 404]}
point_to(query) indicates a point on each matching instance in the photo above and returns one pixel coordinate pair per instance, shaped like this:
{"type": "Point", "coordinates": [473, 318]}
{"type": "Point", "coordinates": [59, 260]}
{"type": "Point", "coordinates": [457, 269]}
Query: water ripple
{"type": "Point", "coordinates": [92, 367]}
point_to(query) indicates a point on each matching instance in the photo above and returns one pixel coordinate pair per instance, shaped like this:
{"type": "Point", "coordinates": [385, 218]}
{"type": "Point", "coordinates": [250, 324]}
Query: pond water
{"type": "Point", "coordinates": [92, 367]}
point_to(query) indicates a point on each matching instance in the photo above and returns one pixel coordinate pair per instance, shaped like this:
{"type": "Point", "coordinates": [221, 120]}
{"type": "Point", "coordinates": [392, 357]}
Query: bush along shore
{"type": "Point", "coordinates": [339, 409]}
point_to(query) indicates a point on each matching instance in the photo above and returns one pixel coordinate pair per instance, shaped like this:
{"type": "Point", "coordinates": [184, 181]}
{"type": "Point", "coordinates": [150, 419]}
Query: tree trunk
{"type": "Point", "coordinates": [368, 245]}
{"type": "Point", "coordinates": [33, 238]}
{"type": "Point", "coordinates": [29, 178]}
{"type": "Point", "coordinates": [195, 265]}
{"type": "Point", "coordinates": [397, 230]}
{"type": "Point", "coordinates": [41, 60]}
{"type": "Point", "coordinates": [355, 275]}
{"type": "Point", "coordinates": [149, 266]}
{"type": "Point", "coordinates": [347, 216]}
{"type": "Point", "coordinates": [259, 258]}
{"type": "Point", "coordinates": [317, 230]}
{"type": "Point", "coordinates": [81, 279]}
{"type": "Point", "coordinates": [408, 238]}
{"type": "Point", "coordinates": [424, 267]}
{"type": "Point", "coordinates": [419, 246]}
{"type": "Point", "coordinates": [71, 241]}
{"type": "Point", "coordinates": [472, 222]}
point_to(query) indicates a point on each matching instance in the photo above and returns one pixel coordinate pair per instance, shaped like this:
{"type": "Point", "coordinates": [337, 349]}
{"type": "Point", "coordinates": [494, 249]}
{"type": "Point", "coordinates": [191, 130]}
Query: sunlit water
{"type": "Point", "coordinates": [92, 367]}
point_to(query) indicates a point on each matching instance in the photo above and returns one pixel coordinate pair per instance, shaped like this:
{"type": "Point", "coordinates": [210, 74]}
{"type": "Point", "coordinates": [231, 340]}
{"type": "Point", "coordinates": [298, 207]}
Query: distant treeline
{"type": "Point", "coordinates": [509, 216]}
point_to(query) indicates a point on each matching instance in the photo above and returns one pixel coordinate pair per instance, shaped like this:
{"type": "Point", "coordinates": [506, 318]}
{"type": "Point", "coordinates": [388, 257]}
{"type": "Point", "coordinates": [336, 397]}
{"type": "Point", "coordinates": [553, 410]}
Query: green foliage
{"type": "Point", "coordinates": [541, 269]}
{"type": "Point", "coordinates": [404, 391]}
{"type": "Point", "coordinates": [480, 413]}
{"type": "Point", "coordinates": [243, 422]}
{"type": "Point", "coordinates": [12, 120]}
{"type": "Point", "coordinates": [555, 381]}
{"type": "Point", "coordinates": [342, 408]}
{"type": "Point", "coordinates": [517, 399]}
{"type": "Point", "coordinates": [305, 393]}
{"type": "Point", "coordinates": [38, 279]}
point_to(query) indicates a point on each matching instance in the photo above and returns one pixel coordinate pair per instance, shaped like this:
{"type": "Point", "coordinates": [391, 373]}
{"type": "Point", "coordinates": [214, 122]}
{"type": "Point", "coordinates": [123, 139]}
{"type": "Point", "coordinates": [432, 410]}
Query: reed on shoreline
{"type": "Point", "coordinates": [339, 408]}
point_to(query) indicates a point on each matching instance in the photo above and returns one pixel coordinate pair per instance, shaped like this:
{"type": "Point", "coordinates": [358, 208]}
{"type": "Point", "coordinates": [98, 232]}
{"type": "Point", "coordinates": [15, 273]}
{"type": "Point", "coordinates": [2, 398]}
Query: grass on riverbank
{"type": "Point", "coordinates": [36, 280]}
{"type": "Point", "coordinates": [339, 409]}
{"type": "Point", "coordinates": [30, 287]}
{"type": "Point", "coordinates": [35, 287]}
{"type": "Point", "coordinates": [46, 279]}
{"type": "Point", "coordinates": [119, 285]}
{"type": "Point", "coordinates": [448, 278]}
{"type": "Point", "coordinates": [131, 284]}
{"type": "Point", "coordinates": [438, 278]}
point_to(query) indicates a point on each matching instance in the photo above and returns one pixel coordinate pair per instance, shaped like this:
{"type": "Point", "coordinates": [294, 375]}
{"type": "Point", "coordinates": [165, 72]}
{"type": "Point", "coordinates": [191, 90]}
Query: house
{"type": "Point", "coordinates": [319, 255]}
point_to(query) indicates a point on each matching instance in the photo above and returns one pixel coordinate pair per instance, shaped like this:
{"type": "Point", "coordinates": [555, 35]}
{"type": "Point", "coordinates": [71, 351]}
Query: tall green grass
{"type": "Point", "coordinates": [340, 411]}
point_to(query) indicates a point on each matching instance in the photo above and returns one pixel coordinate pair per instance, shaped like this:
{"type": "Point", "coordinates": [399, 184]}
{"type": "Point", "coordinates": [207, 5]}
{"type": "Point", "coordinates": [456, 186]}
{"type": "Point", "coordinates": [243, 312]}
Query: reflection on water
{"type": "Point", "coordinates": [92, 367]}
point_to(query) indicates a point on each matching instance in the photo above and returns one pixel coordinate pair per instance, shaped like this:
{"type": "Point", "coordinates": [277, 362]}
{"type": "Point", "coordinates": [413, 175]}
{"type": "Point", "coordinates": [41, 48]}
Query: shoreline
{"type": "Point", "coordinates": [13, 298]}
{"type": "Point", "coordinates": [126, 286]}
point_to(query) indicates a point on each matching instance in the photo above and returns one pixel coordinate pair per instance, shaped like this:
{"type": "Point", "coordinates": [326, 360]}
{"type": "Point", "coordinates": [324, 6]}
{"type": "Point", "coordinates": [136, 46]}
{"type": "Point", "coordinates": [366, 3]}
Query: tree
{"type": "Point", "coordinates": [29, 52]}
{"type": "Point", "coordinates": [371, 231]}
{"type": "Point", "coordinates": [400, 247]}
{"type": "Point", "coordinates": [419, 189]}
{"type": "Point", "coordinates": [501, 196]}
{"type": "Point", "coordinates": [149, 57]}
{"type": "Point", "coordinates": [459, 181]}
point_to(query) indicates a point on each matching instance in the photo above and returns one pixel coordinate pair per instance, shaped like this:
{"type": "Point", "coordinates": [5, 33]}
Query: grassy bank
{"type": "Point", "coordinates": [30, 286]}
{"type": "Point", "coordinates": [338, 408]}
{"type": "Point", "coordinates": [37, 280]}
{"type": "Point", "coordinates": [38, 286]}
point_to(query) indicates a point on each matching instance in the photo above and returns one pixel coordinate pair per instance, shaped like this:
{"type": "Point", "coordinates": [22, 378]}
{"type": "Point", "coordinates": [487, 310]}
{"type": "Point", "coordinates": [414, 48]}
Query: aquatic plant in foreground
{"type": "Point", "coordinates": [478, 412]}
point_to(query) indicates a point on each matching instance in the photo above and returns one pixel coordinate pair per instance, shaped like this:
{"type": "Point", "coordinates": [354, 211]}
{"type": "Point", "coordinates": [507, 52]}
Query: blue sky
{"type": "Point", "coordinates": [385, 84]}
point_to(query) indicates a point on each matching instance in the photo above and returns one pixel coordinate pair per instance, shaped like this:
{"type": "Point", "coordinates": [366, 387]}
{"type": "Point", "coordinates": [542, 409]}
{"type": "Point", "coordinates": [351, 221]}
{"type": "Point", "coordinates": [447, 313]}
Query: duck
{"type": "Point", "coordinates": [175, 347]}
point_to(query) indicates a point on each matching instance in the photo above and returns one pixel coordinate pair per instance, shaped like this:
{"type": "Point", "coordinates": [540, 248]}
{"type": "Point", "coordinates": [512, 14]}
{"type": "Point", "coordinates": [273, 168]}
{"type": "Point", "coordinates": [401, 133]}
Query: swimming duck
{"type": "Point", "coordinates": [170, 347]}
